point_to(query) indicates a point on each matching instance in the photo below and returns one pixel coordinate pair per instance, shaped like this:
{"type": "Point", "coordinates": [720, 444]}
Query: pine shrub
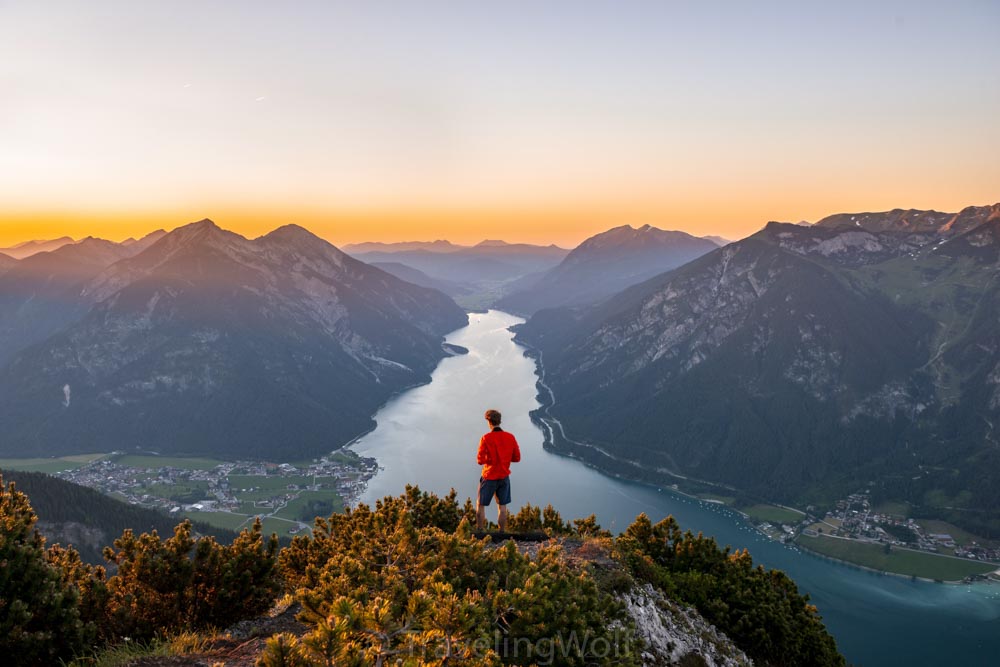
{"type": "Point", "coordinates": [39, 614]}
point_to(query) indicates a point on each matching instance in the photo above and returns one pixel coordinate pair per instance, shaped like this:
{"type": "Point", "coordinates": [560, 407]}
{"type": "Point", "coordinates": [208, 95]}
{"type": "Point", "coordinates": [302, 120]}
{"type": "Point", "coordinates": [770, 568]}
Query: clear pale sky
{"type": "Point", "coordinates": [528, 121]}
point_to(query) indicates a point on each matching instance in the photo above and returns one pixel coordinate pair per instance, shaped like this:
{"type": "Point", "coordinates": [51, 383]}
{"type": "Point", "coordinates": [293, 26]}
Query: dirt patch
{"type": "Point", "coordinates": [238, 647]}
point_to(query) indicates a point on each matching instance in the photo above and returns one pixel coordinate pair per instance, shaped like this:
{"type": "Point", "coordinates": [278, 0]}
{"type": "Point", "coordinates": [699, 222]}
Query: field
{"type": "Point", "coordinates": [894, 508]}
{"type": "Point", "coordinates": [49, 465]}
{"type": "Point", "coordinates": [270, 483]}
{"type": "Point", "coordinates": [772, 514]}
{"type": "Point", "coordinates": [278, 520]}
{"type": "Point", "coordinates": [219, 519]}
{"type": "Point", "coordinates": [238, 522]}
{"type": "Point", "coordinates": [275, 525]}
{"type": "Point", "coordinates": [962, 537]}
{"type": "Point", "coordinates": [193, 463]}
{"type": "Point", "coordinates": [190, 491]}
{"type": "Point", "coordinates": [294, 507]}
{"type": "Point", "coordinates": [899, 561]}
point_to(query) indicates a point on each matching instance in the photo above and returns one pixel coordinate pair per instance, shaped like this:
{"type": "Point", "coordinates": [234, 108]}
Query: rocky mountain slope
{"type": "Point", "coordinates": [603, 265]}
{"type": "Point", "coordinates": [207, 342]}
{"type": "Point", "coordinates": [799, 362]}
{"type": "Point", "coordinates": [40, 294]}
{"type": "Point", "coordinates": [673, 634]}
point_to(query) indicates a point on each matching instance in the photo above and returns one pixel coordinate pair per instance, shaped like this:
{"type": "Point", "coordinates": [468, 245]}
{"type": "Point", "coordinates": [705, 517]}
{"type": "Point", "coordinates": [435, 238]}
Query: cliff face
{"type": "Point", "coordinates": [674, 635]}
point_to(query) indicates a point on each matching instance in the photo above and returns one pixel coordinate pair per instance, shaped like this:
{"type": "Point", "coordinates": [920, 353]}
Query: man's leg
{"type": "Point", "coordinates": [486, 491]}
{"type": "Point", "coordinates": [503, 499]}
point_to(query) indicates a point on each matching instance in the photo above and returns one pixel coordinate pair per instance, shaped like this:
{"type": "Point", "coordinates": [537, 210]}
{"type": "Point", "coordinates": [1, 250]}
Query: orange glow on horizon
{"type": "Point", "coordinates": [523, 124]}
{"type": "Point", "coordinates": [563, 226]}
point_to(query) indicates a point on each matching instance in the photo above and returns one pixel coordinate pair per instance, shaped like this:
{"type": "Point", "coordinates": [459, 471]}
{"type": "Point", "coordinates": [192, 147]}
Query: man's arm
{"type": "Point", "coordinates": [483, 456]}
{"type": "Point", "coordinates": [515, 454]}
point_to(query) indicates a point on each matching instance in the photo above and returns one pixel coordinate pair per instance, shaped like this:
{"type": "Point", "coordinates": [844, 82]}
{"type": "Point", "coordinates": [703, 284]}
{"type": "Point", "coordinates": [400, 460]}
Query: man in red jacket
{"type": "Point", "coordinates": [497, 450]}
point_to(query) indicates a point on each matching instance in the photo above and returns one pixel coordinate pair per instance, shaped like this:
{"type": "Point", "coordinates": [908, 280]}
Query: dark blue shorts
{"type": "Point", "coordinates": [494, 487]}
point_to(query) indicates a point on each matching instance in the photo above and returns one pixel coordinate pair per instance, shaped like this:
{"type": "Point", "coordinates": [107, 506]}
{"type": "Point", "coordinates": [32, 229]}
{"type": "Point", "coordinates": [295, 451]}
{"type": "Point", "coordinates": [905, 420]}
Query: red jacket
{"type": "Point", "coordinates": [497, 450]}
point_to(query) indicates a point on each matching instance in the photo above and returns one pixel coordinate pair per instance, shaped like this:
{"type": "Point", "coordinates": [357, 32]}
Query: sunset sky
{"type": "Point", "coordinates": [528, 121]}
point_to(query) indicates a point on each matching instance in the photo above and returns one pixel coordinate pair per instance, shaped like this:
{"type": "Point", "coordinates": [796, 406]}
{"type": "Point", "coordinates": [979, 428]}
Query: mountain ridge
{"type": "Point", "coordinates": [196, 343]}
{"type": "Point", "coordinates": [28, 248]}
{"type": "Point", "coordinates": [603, 265]}
{"type": "Point", "coordinates": [797, 363]}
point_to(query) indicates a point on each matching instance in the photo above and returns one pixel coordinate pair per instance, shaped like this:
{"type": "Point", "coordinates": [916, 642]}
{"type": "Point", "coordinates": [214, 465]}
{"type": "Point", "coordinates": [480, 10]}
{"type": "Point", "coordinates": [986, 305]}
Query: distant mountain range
{"type": "Point", "coordinates": [799, 363]}
{"type": "Point", "coordinates": [201, 340]}
{"type": "Point", "coordinates": [28, 248]}
{"type": "Point", "coordinates": [39, 294]}
{"type": "Point", "coordinates": [488, 246]}
{"type": "Point", "coordinates": [481, 270]}
{"type": "Point", "coordinates": [603, 265]}
{"type": "Point", "coordinates": [402, 246]}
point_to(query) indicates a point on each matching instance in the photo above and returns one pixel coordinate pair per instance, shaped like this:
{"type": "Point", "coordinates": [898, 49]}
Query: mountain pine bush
{"type": "Point", "coordinates": [760, 610]}
{"type": "Point", "coordinates": [184, 583]}
{"type": "Point", "coordinates": [39, 615]}
{"type": "Point", "coordinates": [408, 581]}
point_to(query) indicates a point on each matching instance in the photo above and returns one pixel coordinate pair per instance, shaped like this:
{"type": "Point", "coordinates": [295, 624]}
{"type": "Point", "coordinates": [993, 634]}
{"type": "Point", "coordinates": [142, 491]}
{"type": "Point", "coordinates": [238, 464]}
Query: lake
{"type": "Point", "coordinates": [428, 436]}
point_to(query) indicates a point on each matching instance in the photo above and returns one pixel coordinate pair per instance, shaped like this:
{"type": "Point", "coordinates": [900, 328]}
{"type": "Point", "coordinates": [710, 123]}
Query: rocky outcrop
{"type": "Point", "coordinates": [675, 635]}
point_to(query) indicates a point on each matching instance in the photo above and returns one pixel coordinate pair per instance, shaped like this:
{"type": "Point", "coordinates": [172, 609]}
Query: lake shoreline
{"type": "Point", "coordinates": [546, 399]}
{"type": "Point", "coordinates": [910, 577]}
{"type": "Point", "coordinates": [449, 351]}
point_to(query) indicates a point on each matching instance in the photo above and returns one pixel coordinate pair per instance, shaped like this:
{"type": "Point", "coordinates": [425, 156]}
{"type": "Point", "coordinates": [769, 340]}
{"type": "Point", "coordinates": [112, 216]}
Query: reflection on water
{"type": "Point", "coordinates": [428, 436]}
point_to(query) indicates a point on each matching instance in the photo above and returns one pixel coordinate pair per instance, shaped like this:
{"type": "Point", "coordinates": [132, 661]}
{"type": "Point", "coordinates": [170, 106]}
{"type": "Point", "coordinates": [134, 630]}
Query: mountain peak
{"type": "Point", "coordinates": [292, 231]}
{"type": "Point", "coordinates": [158, 247]}
{"type": "Point", "coordinates": [606, 263]}
{"type": "Point", "coordinates": [203, 223]}
{"type": "Point", "coordinates": [491, 243]}
{"type": "Point", "coordinates": [198, 230]}
{"type": "Point", "coordinates": [624, 235]}
{"type": "Point", "coordinates": [298, 239]}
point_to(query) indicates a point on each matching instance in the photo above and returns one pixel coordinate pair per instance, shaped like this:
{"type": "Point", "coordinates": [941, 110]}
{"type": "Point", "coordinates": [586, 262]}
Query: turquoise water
{"type": "Point", "coordinates": [428, 436]}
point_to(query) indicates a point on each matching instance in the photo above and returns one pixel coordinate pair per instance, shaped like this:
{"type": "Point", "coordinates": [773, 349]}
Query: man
{"type": "Point", "coordinates": [497, 450]}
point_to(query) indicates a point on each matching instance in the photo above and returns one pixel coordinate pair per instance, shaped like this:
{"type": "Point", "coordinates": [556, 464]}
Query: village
{"type": "Point", "coordinates": [230, 494]}
{"type": "Point", "coordinates": [882, 538]}
{"type": "Point", "coordinates": [854, 518]}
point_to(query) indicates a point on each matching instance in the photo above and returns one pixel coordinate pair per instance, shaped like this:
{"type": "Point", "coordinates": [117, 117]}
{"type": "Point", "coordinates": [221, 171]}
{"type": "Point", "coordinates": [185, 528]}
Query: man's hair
{"type": "Point", "coordinates": [493, 417]}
